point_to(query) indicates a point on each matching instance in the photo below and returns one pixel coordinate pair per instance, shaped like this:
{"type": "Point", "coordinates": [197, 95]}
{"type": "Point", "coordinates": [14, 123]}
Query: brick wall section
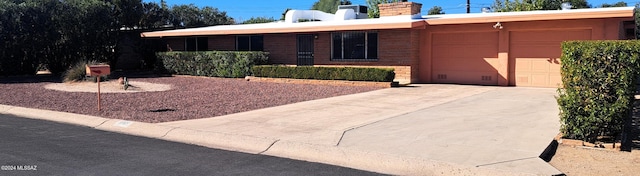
{"type": "Point", "coordinates": [399, 8]}
{"type": "Point", "coordinates": [222, 43]}
{"type": "Point", "coordinates": [322, 49]}
{"type": "Point", "coordinates": [175, 44]}
{"type": "Point", "coordinates": [397, 49]}
{"type": "Point", "coordinates": [415, 50]}
{"type": "Point", "coordinates": [282, 48]}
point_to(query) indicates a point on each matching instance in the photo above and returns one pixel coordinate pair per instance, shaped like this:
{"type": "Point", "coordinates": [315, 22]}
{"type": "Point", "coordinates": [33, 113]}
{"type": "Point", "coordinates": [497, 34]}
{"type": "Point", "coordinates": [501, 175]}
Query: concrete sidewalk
{"type": "Point", "coordinates": [420, 130]}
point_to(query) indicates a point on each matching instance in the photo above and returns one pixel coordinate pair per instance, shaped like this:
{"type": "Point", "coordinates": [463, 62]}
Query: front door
{"type": "Point", "coordinates": [305, 49]}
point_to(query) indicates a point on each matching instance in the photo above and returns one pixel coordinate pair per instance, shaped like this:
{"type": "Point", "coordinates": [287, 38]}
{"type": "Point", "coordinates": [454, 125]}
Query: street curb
{"type": "Point", "coordinates": [376, 162]}
{"type": "Point", "coordinates": [62, 117]}
{"type": "Point", "coordinates": [134, 128]}
{"type": "Point", "coordinates": [233, 142]}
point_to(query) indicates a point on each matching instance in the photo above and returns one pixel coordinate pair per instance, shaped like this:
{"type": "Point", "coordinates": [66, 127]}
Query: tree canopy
{"type": "Point", "coordinates": [618, 4]}
{"type": "Point", "coordinates": [58, 33]}
{"type": "Point", "coordinates": [435, 10]}
{"type": "Point", "coordinates": [374, 11]}
{"type": "Point", "coordinates": [192, 16]}
{"type": "Point", "coordinates": [529, 5]}
{"type": "Point", "coordinates": [254, 20]}
{"type": "Point", "coordinates": [329, 6]}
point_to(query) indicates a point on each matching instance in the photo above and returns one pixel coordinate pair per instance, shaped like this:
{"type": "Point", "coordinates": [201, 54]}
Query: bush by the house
{"type": "Point", "coordinates": [326, 73]}
{"type": "Point", "coordinates": [229, 64]}
{"type": "Point", "coordinates": [599, 81]}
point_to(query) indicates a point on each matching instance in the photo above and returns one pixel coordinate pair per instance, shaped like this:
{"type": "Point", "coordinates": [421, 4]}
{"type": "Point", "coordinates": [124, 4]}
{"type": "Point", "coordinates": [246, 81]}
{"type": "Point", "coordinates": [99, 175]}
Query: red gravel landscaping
{"type": "Point", "coordinates": [190, 98]}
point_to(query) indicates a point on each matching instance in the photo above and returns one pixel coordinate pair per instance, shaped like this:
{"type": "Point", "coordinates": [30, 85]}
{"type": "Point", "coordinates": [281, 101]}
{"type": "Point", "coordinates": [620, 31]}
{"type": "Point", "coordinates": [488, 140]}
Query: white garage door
{"type": "Point", "coordinates": [534, 56]}
{"type": "Point", "coordinates": [465, 58]}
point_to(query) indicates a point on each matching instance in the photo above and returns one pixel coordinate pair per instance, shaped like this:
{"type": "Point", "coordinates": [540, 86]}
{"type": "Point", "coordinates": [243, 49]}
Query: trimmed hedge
{"type": "Point", "coordinates": [326, 73]}
{"type": "Point", "coordinates": [599, 82]}
{"type": "Point", "coordinates": [228, 64]}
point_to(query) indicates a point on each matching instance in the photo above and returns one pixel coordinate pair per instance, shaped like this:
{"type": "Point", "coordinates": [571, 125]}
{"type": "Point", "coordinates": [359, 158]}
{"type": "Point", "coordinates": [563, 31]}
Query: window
{"type": "Point", "coordinates": [249, 43]}
{"type": "Point", "coordinates": [196, 44]}
{"type": "Point", "coordinates": [354, 45]}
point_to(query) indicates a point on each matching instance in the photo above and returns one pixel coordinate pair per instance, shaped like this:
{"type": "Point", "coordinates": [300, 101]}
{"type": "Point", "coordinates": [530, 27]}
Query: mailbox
{"type": "Point", "coordinates": [98, 70]}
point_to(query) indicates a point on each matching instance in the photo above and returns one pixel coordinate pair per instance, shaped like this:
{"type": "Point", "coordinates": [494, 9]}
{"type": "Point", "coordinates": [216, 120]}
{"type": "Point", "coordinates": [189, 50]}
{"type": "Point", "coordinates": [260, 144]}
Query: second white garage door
{"type": "Point", "coordinates": [534, 56]}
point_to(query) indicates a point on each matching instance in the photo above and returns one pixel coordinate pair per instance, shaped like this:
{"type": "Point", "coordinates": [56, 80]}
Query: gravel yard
{"type": "Point", "coordinates": [189, 98]}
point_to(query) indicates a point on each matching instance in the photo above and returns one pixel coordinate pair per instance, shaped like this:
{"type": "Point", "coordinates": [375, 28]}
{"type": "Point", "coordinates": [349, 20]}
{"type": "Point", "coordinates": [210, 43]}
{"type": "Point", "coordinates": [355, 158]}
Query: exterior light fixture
{"type": "Point", "coordinates": [498, 25]}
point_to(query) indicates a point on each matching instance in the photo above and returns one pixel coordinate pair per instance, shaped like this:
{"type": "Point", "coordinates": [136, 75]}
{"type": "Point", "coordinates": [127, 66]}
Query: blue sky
{"type": "Point", "coordinates": [244, 9]}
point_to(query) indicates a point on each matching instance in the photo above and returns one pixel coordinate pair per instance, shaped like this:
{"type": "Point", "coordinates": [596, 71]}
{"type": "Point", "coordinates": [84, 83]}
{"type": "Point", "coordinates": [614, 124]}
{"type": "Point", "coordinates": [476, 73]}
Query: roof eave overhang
{"type": "Point", "coordinates": [286, 29]}
{"type": "Point", "coordinates": [618, 13]}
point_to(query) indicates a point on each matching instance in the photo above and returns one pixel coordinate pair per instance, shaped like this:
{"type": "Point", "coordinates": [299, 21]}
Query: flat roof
{"type": "Point", "coordinates": [612, 12]}
{"type": "Point", "coordinates": [282, 27]}
{"type": "Point", "coordinates": [397, 22]}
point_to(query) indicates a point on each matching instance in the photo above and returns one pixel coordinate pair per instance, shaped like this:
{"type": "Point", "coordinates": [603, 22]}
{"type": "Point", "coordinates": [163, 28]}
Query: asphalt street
{"type": "Point", "coordinates": [35, 147]}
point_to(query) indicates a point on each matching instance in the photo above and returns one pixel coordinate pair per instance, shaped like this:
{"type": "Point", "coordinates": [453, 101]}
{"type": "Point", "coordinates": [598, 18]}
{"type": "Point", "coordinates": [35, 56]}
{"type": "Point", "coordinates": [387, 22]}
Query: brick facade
{"type": "Point", "coordinates": [399, 8]}
{"type": "Point", "coordinates": [281, 48]}
{"type": "Point", "coordinates": [175, 44]}
{"type": "Point", "coordinates": [222, 43]}
{"type": "Point", "coordinates": [397, 49]}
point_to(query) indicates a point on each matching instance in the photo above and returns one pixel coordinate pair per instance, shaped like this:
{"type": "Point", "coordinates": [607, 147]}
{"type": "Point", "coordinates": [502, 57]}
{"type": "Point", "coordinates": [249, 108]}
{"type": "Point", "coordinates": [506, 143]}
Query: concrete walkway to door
{"type": "Point", "coordinates": [416, 130]}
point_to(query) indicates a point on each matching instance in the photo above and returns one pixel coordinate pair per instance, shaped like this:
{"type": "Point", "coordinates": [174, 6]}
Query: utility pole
{"type": "Point", "coordinates": [468, 6]}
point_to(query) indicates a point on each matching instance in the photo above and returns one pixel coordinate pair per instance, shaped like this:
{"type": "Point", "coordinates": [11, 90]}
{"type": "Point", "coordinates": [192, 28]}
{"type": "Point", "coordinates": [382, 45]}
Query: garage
{"type": "Point", "coordinates": [534, 56]}
{"type": "Point", "coordinates": [465, 58]}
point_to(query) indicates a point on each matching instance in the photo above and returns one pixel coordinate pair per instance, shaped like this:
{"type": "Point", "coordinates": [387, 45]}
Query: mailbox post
{"type": "Point", "coordinates": [97, 71]}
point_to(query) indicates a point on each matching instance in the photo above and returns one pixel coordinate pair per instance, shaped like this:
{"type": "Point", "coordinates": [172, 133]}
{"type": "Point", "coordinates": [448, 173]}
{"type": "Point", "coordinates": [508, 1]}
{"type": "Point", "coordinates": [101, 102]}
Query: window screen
{"type": "Point", "coordinates": [354, 45]}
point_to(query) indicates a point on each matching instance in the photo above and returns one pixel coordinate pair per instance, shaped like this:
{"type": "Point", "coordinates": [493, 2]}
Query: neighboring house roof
{"type": "Point", "coordinates": [397, 22]}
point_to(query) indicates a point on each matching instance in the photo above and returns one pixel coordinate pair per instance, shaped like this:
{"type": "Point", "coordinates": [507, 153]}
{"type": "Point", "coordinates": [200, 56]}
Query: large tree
{"type": "Point", "coordinates": [58, 33]}
{"type": "Point", "coordinates": [284, 14]}
{"type": "Point", "coordinates": [128, 12]}
{"type": "Point", "coordinates": [529, 5]}
{"type": "Point", "coordinates": [329, 6]}
{"type": "Point", "coordinates": [618, 4]}
{"type": "Point", "coordinates": [254, 20]}
{"type": "Point", "coordinates": [55, 34]}
{"type": "Point", "coordinates": [374, 11]}
{"type": "Point", "coordinates": [435, 10]}
{"type": "Point", "coordinates": [185, 16]}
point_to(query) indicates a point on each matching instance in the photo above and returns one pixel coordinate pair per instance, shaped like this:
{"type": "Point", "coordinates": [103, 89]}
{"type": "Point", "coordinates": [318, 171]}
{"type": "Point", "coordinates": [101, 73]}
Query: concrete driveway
{"type": "Point", "coordinates": [504, 128]}
{"type": "Point", "coordinates": [501, 128]}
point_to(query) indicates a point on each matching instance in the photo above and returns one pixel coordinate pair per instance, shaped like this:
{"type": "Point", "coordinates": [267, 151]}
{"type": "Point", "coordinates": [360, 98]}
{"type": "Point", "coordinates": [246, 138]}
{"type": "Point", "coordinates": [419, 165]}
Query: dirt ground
{"type": "Point", "coordinates": [588, 161]}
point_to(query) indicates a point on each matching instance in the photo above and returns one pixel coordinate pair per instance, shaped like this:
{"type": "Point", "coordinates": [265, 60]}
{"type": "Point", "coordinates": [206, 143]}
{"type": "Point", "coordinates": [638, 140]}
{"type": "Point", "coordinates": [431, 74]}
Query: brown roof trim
{"type": "Point", "coordinates": [529, 16]}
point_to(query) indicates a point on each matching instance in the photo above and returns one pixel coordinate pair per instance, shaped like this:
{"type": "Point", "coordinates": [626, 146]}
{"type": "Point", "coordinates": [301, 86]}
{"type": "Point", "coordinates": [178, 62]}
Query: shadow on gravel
{"type": "Point", "coordinates": [30, 79]}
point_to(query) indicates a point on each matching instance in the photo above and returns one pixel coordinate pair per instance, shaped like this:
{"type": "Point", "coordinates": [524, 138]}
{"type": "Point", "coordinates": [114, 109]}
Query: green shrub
{"type": "Point", "coordinates": [599, 82]}
{"type": "Point", "coordinates": [326, 73]}
{"type": "Point", "coordinates": [77, 72]}
{"type": "Point", "coordinates": [230, 64]}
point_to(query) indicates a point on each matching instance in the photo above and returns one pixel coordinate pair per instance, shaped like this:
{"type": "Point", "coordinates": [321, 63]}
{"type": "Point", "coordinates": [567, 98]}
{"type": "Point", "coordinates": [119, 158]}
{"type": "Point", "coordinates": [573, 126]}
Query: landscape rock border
{"type": "Point", "coordinates": [109, 87]}
{"type": "Point", "coordinates": [322, 82]}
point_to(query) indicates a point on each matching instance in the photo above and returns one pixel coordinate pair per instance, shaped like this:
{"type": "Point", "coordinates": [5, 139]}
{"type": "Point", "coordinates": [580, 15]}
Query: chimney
{"type": "Point", "coordinates": [399, 8]}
